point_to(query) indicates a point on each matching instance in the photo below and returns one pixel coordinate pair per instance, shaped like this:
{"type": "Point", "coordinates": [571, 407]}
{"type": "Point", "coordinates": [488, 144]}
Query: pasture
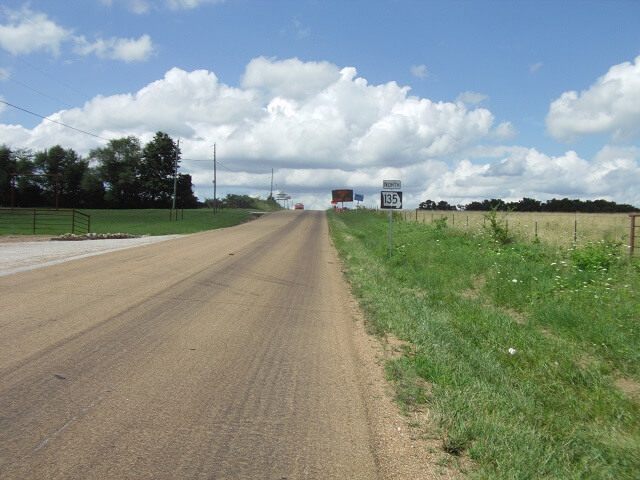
{"type": "Point", "coordinates": [560, 229]}
{"type": "Point", "coordinates": [140, 222]}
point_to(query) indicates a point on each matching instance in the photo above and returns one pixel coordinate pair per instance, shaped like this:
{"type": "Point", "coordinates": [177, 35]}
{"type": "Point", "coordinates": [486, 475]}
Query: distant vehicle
{"type": "Point", "coordinates": [299, 206]}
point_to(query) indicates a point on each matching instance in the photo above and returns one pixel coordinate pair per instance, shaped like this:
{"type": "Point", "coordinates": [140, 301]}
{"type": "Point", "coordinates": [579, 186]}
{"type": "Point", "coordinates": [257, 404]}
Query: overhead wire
{"type": "Point", "coordinates": [71, 106]}
{"type": "Point", "coordinates": [34, 90]}
{"type": "Point", "coordinates": [108, 139]}
{"type": "Point", "coordinates": [54, 121]}
{"type": "Point", "coordinates": [226, 168]}
{"type": "Point", "coordinates": [44, 73]}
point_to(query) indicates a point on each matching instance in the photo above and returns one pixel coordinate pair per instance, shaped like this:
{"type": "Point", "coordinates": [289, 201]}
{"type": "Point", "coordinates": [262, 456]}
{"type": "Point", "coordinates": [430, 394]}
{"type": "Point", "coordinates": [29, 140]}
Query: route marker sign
{"type": "Point", "coordinates": [391, 200]}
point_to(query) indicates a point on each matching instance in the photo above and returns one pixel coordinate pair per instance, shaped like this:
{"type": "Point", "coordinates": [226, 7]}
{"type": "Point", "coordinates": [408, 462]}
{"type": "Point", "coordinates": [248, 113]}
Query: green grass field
{"type": "Point", "coordinates": [138, 222]}
{"type": "Point", "coordinates": [526, 354]}
{"type": "Point", "coordinates": [156, 222]}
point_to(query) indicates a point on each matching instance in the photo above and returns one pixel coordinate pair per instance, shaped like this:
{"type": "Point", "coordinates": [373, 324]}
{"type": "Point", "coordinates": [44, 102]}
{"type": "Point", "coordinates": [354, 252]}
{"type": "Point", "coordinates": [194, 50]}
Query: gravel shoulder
{"type": "Point", "coordinates": [18, 255]}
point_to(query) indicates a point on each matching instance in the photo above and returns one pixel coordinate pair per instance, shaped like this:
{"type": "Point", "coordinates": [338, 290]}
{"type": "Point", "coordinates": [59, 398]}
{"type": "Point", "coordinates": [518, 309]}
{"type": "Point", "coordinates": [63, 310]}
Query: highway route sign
{"type": "Point", "coordinates": [391, 200]}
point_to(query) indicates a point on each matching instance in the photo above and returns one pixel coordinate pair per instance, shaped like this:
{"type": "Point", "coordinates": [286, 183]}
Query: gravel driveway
{"type": "Point", "coordinates": [20, 256]}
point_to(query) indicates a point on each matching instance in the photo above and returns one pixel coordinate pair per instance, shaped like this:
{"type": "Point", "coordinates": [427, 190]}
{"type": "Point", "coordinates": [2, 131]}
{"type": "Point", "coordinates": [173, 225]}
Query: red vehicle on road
{"type": "Point", "coordinates": [299, 206]}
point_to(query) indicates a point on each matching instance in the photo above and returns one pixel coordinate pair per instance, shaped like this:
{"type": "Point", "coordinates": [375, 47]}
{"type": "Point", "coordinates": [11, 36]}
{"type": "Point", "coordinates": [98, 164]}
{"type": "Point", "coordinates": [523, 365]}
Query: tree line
{"type": "Point", "coordinates": [240, 201]}
{"type": "Point", "coordinates": [122, 174]}
{"type": "Point", "coordinates": [532, 205]}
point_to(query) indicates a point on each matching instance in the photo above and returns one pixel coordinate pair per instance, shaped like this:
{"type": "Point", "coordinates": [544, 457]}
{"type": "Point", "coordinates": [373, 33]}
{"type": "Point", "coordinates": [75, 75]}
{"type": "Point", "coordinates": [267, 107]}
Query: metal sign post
{"type": "Point", "coordinates": [391, 200]}
{"type": "Point", "coordinates": [390, 232]}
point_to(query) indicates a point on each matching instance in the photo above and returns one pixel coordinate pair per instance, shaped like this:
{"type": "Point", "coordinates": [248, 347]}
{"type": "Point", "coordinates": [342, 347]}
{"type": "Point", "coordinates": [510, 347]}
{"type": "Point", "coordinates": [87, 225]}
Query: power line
{"type": "Point", "coordinates": [54, 121]}
{"type": "Point", "coordinates": [34, 90]}
{"type": "Point", "coordinates": [108, 139]}
{"type": "Point", "coordinates": [45, 73]}
{"type": "Point", "coordinates": [238, 173]}
{"type": "Point", "coordinates": [226, 168]}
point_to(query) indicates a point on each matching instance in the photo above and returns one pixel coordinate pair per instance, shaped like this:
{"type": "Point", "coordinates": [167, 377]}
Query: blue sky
{"type": "Point", "coordinates": [461, 100]}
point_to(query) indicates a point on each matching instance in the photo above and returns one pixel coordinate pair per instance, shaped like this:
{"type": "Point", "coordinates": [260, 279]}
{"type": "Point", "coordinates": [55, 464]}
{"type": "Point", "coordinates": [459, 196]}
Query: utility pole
{"type": "Point", "coordinates": [214, 177]}
{"type": "Point", "coordinates": [271, 195]}
{"type": "Point", "coordinates": [175, 176]}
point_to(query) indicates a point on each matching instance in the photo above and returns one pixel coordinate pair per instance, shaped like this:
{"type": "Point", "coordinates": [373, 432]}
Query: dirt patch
{"type": "Point", "coordinates": [586, 361]}
{"type": "Point", "coordinates": [393, 347]}
{"type": "Point", "coordinates": [475, 293]}
{"type": "Point", "coordinates": [478, 283]}
{"type": "Point", "coordinates": [629, 386]}
{"type": "Point", "coordinates": [517, 317]}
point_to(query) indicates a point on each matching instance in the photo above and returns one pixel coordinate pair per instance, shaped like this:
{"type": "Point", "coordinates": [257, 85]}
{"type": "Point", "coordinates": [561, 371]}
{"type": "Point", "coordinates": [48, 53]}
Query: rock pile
{"type": "Point", "coordinates": [95, 236]}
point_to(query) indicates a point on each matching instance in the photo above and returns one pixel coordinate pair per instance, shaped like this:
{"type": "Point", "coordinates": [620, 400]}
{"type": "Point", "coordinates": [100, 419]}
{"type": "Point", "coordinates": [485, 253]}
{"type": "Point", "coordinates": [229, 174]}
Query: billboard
{"type": "Point", "coordinates": [359, 197]}
{"type": "Point", "coordinates": [342, 195]}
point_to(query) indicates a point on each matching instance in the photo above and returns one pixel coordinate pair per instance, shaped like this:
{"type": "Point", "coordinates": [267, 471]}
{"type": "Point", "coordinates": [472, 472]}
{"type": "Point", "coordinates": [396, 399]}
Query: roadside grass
{"type": "Point", "coordinates": [156, 222]}
{"type": "Point", "coordinates": [147, 222]}
{"type": "Point", "coordinates": [522, 345]}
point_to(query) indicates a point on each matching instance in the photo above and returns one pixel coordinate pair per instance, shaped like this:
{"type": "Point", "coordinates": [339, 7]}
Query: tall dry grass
{"type": "Point", "coordinates": [562, 229]}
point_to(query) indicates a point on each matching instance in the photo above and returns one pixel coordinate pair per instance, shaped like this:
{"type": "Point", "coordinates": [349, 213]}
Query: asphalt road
{"type": "Point", "coordinates": [225, 354]}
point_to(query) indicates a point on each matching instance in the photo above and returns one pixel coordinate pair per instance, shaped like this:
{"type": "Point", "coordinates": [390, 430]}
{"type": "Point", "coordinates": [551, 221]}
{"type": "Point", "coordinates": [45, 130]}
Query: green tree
{"type": "Point", "coordinates": [7, 167]}
{"type": "Point", "coordinates": [238, 201]}
{"type": "Point", "coordinates": [160, 159]}
{"type": "Point", "coordinates": [70, 167]}
{"type": "Point", "coordinates": [186, 197]}
{"type": "Point", "coordinates": [93, 191]}
{"type": "Point", "coordinates": [119, 166]}
{"type": "Point", "coordinates": [28, 191]}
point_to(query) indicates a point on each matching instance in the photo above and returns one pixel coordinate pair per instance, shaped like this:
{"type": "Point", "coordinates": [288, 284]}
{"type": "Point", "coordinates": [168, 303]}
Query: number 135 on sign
{"type": "Point", "coordinates": [391, 200]}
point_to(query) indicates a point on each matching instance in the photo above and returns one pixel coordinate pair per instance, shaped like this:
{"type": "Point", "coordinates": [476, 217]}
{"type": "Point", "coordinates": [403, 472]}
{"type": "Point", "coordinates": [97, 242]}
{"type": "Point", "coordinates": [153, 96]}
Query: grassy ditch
{"type": "Point", "coordinates": [527, 356]}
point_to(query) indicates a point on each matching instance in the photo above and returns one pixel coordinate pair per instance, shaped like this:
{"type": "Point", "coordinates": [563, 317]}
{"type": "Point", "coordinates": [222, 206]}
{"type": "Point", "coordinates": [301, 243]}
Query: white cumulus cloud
{"type": "Point", "coordinates": [611, 105]}
{"type": "Point", "coordinates": [505, 131]}
{"type": "Point", "coordinates": [144, 6]}
{"type": "Point", "coordinates": [525, 172]}
{"type": "Point", "coordinates": [322, 127]}
{"type": "Point", "coordinates": [291, 78]}
{"type": "Point", "coordinates": [471, 98]}
{"type": "Point", "coordinates": [124, 49]}
{"type": "Point", "coordinates": [27, 31]}
{"type": "Point", "coordinates": [188, 4]}
{"type": "Point", "coordinates": [419, 71]}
